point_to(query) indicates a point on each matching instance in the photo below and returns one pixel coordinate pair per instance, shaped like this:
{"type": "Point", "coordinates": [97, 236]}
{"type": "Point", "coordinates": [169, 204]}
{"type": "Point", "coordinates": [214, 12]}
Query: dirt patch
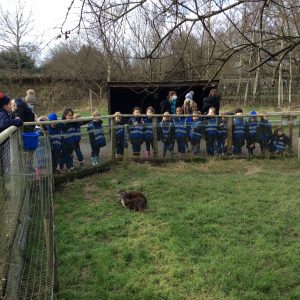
{"type": "Point", "coordinates": [89, 192]}
{"type": "Point", "coordinates": [253, 170]}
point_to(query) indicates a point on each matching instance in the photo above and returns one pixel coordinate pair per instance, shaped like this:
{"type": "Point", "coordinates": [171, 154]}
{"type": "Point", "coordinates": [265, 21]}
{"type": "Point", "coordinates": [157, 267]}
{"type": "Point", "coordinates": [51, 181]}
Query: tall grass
{"type": "Point", "coordinates": [216, 230]}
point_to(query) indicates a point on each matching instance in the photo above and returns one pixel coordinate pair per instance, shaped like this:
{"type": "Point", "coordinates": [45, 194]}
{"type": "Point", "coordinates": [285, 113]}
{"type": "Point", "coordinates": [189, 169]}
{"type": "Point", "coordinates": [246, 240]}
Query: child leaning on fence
{"type": "Point", "coordinates": [222, 135]}
{"type": "Point", "coordinates": [264, 133]}
{"type": "Point", "coordinates": [68, 140]}
{"type": "Point", "coordinates": [166, 133]}
{"type": "Point", "coordinates": [96, 136]}
{"type": "Point", "coordinates": [251, 132]}
{"type": "Point", "coordinates": [40, 154]}
{"type": "Point", "coordinates": [54, 132]}
{"type": "Point", "coordinates": [148, 134]}
{"type": "Point", "coordinates": [182, 128]}
{"type": "Point", "coordinates": [77, 138]}
{"type": "Point", "coordinates": [280, 141]}
{"type": "Point", "coordinates": [120, 135]}
{"type": "Point", "coordinates": [211, 131]}
{"type": "Point", "coordinates": [238, 131]}
{"type": "Point", "coordinates": [136, 131]}
{"type": "Point", "coordinates": [195, 133]}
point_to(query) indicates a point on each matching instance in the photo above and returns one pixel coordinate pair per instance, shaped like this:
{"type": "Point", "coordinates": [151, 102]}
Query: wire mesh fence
{"type": "Point", "coordinates": [26, 230]}
{"type": "Point", "coordinates": [169, 136]}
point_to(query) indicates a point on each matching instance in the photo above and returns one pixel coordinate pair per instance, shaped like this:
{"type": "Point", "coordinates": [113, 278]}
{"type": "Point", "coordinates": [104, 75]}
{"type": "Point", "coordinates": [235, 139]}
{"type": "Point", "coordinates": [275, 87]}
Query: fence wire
{"type": "Point", "coordinates": [26, 231]}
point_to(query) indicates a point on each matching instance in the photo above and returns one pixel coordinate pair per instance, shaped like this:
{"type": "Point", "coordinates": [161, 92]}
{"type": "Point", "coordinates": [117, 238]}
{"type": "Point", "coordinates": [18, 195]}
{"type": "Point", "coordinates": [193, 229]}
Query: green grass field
{"type": "Point", "coordinates": [216, 230]}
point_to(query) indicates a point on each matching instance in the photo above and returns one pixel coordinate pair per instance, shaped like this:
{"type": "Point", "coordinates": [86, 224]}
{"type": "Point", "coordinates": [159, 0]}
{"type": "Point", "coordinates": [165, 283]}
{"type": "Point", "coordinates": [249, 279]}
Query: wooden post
{"type": "Point", "coordinates": [229, 135]}
{"type": "Point", "coordinates": [155, 147]}
{"type": "Point", "coordinates": [113, 138]}
{"type": "Point", "coordinates": [290, 124]}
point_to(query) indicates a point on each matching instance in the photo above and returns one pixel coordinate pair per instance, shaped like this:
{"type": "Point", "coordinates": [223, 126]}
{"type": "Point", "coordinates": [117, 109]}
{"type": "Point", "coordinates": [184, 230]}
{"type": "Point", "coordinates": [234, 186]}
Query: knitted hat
{"type": "Point", "coordinates": [253, 113]}
{"type": "Point", "coordinates": [3, 99]}
{"type": "Point", "coordinates": [30, 97]}
{"type": "Point", "coordinates": [52, 117]}
{"type": "Point", "coordinates": [189, 95]}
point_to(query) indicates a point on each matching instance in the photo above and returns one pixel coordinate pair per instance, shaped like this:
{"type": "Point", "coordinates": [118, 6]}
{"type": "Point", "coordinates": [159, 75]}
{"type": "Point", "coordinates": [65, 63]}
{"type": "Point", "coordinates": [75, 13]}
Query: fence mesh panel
{"type": "Point", "coordinates": [26, 232]}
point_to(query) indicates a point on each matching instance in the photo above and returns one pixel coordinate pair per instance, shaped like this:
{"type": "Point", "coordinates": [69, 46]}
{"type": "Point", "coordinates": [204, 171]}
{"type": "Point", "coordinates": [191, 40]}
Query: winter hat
{"type": "Point", "coordinates": [30, 97]}
{"type": "Point", "coordinates": [52, 117]}
{"type": "Point", "coordinates": [189, 95]}
{"type": "Point", "coordinates": [42, 119]}
{"type": "Point", "coordinates": [3, 99]}
{"type": "Point", "coordinates": [253, 113]}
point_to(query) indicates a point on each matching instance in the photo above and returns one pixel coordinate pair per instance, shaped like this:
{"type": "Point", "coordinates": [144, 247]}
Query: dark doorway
{"type": "Point", "coordinates": [124, 96]}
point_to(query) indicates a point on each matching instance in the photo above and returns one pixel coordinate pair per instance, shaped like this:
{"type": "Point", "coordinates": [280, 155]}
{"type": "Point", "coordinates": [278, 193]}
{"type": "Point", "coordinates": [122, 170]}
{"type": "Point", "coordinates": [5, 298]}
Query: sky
{"type": "Point", "coordinates": [47, 16]}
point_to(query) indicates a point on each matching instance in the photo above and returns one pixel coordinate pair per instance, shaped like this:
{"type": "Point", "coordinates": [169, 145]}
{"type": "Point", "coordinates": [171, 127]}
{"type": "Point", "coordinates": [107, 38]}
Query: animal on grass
{"type": "Point", "coordinates": [132, 200]}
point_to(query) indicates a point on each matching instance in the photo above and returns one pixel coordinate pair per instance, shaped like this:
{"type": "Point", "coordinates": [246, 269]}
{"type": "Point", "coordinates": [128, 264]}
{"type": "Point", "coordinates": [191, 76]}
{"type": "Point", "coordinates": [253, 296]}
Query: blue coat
{"type": "Point", "coordinates": [211, 127]}
{"type": "Point", "coordinates": [136, 132]}
{"type": "Point", "coordinates": [181, 128]}
{"type": "Point", "coordinates": [55, 137]}
{"type": "Point", "coordinates": [239, 128]}
{"type": "Point", "coordinates": [6, 120]}
{"type": "Point", "coordinates": [96, 134]}
{"type": "Point", "coordinates": [195, 133]}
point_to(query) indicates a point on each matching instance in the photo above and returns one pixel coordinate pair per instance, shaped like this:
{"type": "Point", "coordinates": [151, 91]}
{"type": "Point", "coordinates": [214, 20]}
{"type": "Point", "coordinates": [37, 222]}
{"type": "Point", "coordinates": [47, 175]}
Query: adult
{"type": "Point", "coordinates": [189, 105]}
{"type": "Point", "coordinates": [22, 111]}
{"type": "Point", "coordinates": [169, 104]}
{"type": "Point", "coordinates": [30, 99]}
{"type": "Point", "coordinates": [6, 119]}
{"type": "Point", "coordinates": [213, 100]}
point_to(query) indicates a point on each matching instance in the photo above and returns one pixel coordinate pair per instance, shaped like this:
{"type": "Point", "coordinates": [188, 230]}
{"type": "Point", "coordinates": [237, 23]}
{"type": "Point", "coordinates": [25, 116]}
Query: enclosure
{"type": "Point", "coordinates": [193, 201]}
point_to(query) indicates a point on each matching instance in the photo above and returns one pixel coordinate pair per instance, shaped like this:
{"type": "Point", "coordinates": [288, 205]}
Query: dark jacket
{"type": "Point", "coordinates": [25, 114]}
{"type": "Point", "coordinates": [6, 120]}
{"type": "Point", "coordinates": [165, 105]}
{"type": "Point", "coordinates": [211, 102]}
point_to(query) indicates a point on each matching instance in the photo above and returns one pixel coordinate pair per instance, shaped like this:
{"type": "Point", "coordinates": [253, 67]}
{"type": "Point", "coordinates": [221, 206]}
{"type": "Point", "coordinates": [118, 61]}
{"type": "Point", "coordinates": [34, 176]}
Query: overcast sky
{"type": "Point", "coordinates": [48, 16]}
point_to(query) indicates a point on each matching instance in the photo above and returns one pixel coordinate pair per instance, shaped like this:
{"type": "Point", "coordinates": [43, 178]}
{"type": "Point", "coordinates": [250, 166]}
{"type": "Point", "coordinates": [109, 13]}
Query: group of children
{"type": "Point", "coordinates": [65, 139]}
{"type": "Point", "coordinates": [185, 131]}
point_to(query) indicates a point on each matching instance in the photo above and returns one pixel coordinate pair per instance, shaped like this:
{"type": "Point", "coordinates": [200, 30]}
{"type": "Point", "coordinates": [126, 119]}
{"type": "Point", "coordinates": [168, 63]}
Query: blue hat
{"type": "Point", "coordinates": [52, 117]}
{"type": "Point", "coordinates": [253, 113]}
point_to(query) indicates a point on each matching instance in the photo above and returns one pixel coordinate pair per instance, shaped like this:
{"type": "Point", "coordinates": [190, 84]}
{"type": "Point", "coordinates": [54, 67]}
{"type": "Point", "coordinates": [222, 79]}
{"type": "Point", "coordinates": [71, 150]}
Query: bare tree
{"type": "Point", "coordinates": [15, 29]}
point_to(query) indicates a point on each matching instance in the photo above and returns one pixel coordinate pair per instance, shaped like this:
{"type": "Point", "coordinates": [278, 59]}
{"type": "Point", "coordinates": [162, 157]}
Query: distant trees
{"type": "Point", "coordinates": [205, 39]}
{"type": "Point", "coordinates": [16, 49]}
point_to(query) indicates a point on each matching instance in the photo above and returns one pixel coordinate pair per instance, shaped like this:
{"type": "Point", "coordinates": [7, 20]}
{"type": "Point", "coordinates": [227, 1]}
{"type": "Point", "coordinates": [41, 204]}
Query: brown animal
{"type": "Point", "coordinates": [132, 200]}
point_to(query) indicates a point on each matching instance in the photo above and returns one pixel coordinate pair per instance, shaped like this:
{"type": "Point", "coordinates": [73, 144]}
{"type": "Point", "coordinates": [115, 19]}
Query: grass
{"type": "Point", "coordinates": [215, 230]}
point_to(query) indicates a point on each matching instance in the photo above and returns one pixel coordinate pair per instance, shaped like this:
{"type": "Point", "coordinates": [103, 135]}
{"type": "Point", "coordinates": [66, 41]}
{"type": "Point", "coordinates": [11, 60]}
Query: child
{"type": "Point", "coordinates": [68, 141]}
{"type": "Point", "coordinates": [181, 131]}
{"type": "Point", "coordinates": [148, 135]}
{"type": "Point", "coordinates": [77, 139]}
{"type": "Point", "coordinates": [221, 136]}
{"type": "Point", "coordinates": [251, 131]}
{"type": "Point", "coordinates": [195, 133]}
{"type": "Point", "coordinates": [264, 133]}
{"type": "Point", "coordinates": [280, 141]}
{"type": "Point", "coordinates": [120, 135]}
{"type": "Point", "coordinates": [238, 130]}
{"type": "Point", "coordinates": [166, 134]}
{"type": "Point", "coordinates": [96, 136]}
{"type": "Point", "coordinates": [40, 154]}
{"type": "Point", "coordinates": [136, 131]}
{"type": "Point", "coordinates": [189, 105]}
{"type": "Point", "coordinates": [211, 131]}
{"type": "Point", "coordinates": [54, 131]}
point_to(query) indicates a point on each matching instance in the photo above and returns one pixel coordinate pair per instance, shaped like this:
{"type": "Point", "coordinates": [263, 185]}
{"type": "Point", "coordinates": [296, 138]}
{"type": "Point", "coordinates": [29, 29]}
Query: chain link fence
{"type": "Point", "coordinates": [26, 219]}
